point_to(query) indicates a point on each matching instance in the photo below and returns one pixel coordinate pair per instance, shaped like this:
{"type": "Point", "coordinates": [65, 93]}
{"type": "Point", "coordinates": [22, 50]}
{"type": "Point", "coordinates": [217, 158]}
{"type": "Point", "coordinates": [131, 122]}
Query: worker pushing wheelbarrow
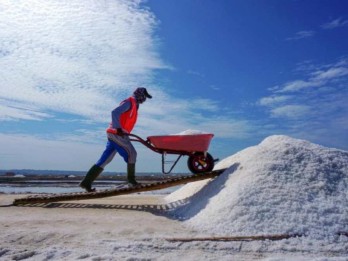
{"type": "Point", "coordinates": [119, 137]}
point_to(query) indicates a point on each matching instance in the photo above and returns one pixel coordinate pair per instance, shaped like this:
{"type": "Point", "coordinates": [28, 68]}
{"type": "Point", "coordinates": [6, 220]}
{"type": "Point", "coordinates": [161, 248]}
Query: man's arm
{"type": "Point", "coordinates": [116, 113]}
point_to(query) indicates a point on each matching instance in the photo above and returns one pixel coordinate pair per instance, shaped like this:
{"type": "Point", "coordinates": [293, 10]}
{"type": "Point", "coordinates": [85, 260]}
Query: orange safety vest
{"type": "Point", "coordinates": [128, 118]}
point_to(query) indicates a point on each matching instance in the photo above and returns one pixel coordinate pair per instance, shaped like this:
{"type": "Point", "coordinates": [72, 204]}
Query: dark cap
{"type": "Point", "coordinates": [142, 91]}
{"type": "Point", "coordinates": [147, 94]}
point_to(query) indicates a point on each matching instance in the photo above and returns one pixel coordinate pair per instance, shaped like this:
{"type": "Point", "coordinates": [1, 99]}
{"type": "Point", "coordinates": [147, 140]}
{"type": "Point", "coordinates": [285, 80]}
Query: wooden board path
{"type": "Point", "coordinates": [236, 238]}
{"type": "Point", "coordinates": [116, 192]}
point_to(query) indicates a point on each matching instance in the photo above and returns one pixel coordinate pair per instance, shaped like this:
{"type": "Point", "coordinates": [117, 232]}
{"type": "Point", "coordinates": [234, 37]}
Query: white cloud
{"type": "Point", "coordinates": [214, 87]}
{"type": "Point", "coordinates": [41, 153]}
{"type": "Point", "coordinates": [299, 85]}
{"type": "Point", "coordinates": [11, 113]}
{"type": "Point", "coordinates": [316, 79]}
{"type": "Point", "coordinates": [273, 100]}
{"type": "Point", "coordinates": [81, 58]}
{"type": "Point", "coordinates": [75, 57]}
{"type": "Point", "coordinates": [205, 104]}
{"type": "Point", "coordinates": [198, 74]}
{"type": "Point", "coordinates": [290, 111]}
{"type": "Point", "coordinates": [329, 74]}
{"type": "Point", "coordinates": [301, 35]}
{"type": "Point", "coordinates": [339, 22]}
{"type": "Point", "coordinates": [317, 107]}
{"type": "Point", "coordinates": [171, 115]}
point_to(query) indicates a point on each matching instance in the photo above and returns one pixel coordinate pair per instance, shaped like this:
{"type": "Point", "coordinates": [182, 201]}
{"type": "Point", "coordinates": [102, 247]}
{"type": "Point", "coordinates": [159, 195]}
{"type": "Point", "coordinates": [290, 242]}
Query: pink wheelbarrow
{"type": "Point", "coordinates": [195, 146]}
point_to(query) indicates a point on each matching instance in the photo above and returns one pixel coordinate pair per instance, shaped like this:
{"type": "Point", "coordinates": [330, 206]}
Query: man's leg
{"type": "Point", "coordinates": [131, 174]}
{"type": "Point", "coordinates": [98, 168]}
{"type": "Point", "coordinates": [129, 154]}
{"type": "Point", "coordinates": [91, 175]}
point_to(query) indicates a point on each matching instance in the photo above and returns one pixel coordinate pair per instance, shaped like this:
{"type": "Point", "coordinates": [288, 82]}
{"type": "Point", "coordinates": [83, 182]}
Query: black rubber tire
{"type": "Point", "coordinates": [194, 163]}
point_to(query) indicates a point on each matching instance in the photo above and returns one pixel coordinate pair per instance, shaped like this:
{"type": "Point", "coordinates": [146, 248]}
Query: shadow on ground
{"type": "Point", "coordinates": [157, 209]}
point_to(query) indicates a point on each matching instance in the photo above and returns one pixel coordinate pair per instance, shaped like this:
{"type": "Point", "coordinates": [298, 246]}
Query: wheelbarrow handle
{"type": "Point", "coordinates": [137, 138]}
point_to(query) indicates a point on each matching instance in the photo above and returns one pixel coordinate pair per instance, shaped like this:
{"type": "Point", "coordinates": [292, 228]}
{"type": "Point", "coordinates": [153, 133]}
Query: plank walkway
{"type": "Point", "coordinates": [117, 191]}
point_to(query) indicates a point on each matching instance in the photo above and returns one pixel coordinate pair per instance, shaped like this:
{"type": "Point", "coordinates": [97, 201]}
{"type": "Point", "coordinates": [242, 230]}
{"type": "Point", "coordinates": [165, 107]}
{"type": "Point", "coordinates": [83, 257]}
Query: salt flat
{"type": "Point", "coordinates": [281, 186]}
{"type": "Point", "coordinates": [100, 230]}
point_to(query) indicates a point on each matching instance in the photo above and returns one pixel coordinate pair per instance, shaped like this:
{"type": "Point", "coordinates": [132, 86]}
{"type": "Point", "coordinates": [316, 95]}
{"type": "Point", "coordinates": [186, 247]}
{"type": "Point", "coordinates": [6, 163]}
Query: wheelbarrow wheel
{"type": "Point", "coordinates": [200, 162]}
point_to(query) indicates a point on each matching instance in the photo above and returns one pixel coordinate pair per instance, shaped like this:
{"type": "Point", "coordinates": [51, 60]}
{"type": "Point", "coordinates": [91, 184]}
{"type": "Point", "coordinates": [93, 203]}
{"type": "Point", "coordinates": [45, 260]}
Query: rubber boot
{"type": "Point", "coordinates": [91, 175]}
{"type": "Point", "coordinates": [131, 174]}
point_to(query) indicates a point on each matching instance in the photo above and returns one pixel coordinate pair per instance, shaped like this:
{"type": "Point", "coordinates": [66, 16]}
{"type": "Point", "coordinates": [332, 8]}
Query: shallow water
{"type": "Point", "coordinates": [66, 187]}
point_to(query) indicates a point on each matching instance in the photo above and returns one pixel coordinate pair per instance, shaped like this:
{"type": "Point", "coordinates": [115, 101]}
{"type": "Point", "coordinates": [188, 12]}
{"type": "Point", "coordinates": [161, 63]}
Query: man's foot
{"type": "Point", "coordinates": [133, 183]}
{"type": "Point", "coordinates": [87, 188]}
{"type": "Point", "coordinates": [91, 175]}
{"type": "Point", "coordinates": [131, 175]}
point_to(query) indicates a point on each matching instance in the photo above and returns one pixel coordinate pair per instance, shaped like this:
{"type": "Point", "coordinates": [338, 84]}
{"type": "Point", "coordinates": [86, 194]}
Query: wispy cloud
{"type": "Point", "coordinates": [268, 101]}
{"type": "Point", "coordinates": [8, 113]}
{"type": "Point", "coordinates": [82, 59]}
{"type": "Point", "coordinates": [214, 87]}
{"type": "Point", "coordinates": [74, 58]}
{"type": "Point", "coordinates": [65, 63]}
{"type": "Point", "coordinates": [331, 73]}
{"type": "Point", "coordinates": [315, 106]}
{"type": "Point", "coordinates": [195, 73]}
{"type": "Point", "coordinates": [171, 115]}
{"type": "Point", "coordinates": [317, 78]}
{"type": "Point", "coordinates": [301, 35]}
{"type": "Point", "coordinates": [319, 98]}
{"type": "Point", "coordinates": [290, 111]}
{"type": "Point", "coordinates": [339, 22]}
{"type": "Point", "coordinates": [13, 111]}
{"type": "Point", "coordinates": [37, 152]}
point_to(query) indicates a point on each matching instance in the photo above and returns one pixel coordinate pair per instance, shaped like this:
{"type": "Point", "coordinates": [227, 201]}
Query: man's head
{"type": "Point", "coordinates": [141, 94]}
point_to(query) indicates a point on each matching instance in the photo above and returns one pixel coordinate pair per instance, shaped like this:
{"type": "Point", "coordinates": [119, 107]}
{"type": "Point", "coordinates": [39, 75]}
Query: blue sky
{"type": "Point", "coordinates": [242, 70]}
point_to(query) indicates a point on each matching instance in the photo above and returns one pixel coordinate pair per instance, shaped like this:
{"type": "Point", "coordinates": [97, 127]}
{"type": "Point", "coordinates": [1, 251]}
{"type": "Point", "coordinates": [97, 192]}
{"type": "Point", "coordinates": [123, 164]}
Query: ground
{"type": "Point", "coordinates": [133, 227]}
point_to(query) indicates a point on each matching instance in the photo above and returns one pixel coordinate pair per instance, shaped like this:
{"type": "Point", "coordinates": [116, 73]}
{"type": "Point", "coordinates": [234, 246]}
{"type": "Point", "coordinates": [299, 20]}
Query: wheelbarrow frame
{"type": "Point", "coordinates": [163, 151]}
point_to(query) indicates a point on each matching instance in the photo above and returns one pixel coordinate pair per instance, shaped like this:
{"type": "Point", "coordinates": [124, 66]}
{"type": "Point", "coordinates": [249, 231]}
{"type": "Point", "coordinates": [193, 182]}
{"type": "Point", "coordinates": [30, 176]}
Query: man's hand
{"type": "Point", "coordinates": [120, 132]}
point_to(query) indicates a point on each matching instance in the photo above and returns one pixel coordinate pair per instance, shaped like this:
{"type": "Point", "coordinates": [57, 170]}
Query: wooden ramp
{"type": "Point", "coordinates": [116, 192]}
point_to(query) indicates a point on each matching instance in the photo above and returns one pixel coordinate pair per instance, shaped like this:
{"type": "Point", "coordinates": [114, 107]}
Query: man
{"type": "Point", "coordinates": [123, 118]}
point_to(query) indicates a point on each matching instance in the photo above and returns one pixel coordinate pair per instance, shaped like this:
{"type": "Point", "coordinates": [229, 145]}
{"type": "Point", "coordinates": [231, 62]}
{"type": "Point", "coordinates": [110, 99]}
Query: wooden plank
{"type": "Point", "coordinates": [117, 192]}
{"type": "Point", "coordinates": [235, 238]}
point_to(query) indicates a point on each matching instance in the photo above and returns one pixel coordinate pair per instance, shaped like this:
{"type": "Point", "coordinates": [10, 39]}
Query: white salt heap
{"type": "Point", "coordinates": [191, 132]}
{"type": "Point", "coordinates": [281, 186]}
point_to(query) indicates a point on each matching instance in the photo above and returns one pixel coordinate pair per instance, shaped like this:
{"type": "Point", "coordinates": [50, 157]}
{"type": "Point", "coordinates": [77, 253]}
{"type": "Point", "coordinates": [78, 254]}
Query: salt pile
{"type": "Point", "coordinates": [190, 132]}
{"type": "Point", "coordinates": [281, 186]}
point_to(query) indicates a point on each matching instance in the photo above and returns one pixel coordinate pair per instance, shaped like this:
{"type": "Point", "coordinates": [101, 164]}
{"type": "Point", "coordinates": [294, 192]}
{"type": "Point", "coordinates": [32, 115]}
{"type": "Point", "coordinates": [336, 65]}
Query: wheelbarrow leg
{"type": "Point", "coordinates": [164, 162]}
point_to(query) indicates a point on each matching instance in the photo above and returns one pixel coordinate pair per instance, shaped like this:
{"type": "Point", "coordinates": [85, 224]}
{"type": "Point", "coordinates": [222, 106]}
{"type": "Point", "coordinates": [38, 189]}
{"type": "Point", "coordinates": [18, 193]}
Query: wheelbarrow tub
{"type": "Point", "coordinates": [187, 143]}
